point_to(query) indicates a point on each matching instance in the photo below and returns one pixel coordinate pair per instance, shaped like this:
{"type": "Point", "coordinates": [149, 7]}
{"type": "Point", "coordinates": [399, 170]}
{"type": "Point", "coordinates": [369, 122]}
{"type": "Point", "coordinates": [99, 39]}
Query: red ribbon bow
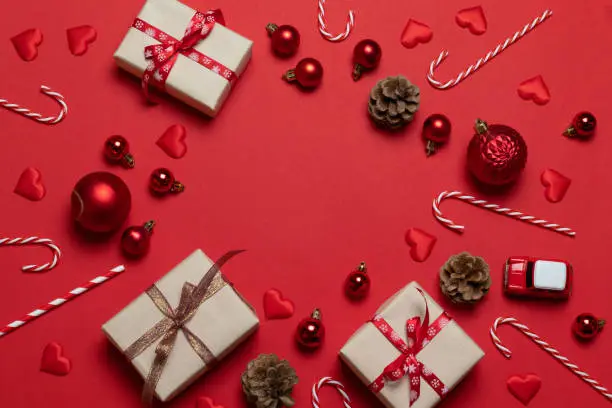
{"type": "Point", "coordinates": [419, 334]}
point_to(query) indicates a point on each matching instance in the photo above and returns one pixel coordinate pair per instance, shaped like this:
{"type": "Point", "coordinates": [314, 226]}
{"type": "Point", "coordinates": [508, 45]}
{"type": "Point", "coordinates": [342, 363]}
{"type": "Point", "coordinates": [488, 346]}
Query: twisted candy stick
{"type": "Point", "coordinates": [490, 55]}
{"type": "Point", "coordinates": [350, 23]}
{"type": "Point", "coordinates": [492, 207]}
{"type": "Point", "coordinates": [35, 241]}
{"type": "Point", "coordinates": [336, 384]}
{"type": "Point", "coordinates": [48, 120]}
{"type": "Point", "coordinates": [546, 347]}
{"type": "Point", "coordinates": [54, 304]}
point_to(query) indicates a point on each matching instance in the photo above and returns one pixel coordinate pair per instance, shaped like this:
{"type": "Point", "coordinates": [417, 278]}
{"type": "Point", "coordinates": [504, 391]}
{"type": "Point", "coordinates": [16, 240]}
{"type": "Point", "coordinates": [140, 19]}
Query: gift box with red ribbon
{"type": "Point", "coordinates": [411, 353]}
{"type": "Point", "coordinates": [186, 53]}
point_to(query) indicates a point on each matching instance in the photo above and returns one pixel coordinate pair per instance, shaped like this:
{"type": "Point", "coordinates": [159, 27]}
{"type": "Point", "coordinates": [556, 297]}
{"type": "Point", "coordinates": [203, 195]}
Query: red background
{"type": "Point", "coordinates": [310, 188]}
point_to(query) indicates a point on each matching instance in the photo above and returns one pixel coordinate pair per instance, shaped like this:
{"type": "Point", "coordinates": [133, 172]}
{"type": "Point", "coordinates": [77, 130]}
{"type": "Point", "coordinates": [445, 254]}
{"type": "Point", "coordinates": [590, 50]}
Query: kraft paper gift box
{"type": "Point", "coordinates": [192, 83]}
{"type": "Point", "coordinates": [222, 321]}
{"type": "Point", "coordinates": [449, 355]}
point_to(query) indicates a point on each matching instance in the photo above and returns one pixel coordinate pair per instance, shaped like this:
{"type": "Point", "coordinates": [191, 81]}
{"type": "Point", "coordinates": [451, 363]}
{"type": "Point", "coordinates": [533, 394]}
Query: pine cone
{"type": "Point", "coordinates": [393, 102]}
{"type": "Point", "coordinates": [465, 278]}
{"type": "Point", "coordinates": [268, 382]}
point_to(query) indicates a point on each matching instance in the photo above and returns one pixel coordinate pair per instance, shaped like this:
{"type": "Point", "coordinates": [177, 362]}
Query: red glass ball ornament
{"type": "Point", "coordinates": [497, 154]}
{"type": "Point", "coordinates": [366, 56]}
{"type": "Point", "coordinates": [285, 39]}
{"type": "Point", "coordinates": [100, 202]}
{"type": "Point", "coordinates": [310, 331]}
{"type": "Point", "coordinates": [308, 73]}
{"type": "Point", "coordinates": [586, 326]}
{"type": "Point", "coordinates": [436, 132]}
{"type": "Point", "coordinates": [357, 283]}
{"type": "Point", "coordinates": [117, 150]}
{"type": "Point", "coordinates": [162, 181]}
{"type": "Point", "coordinates": [136, 239]}
{"type": "Point", "coordinates": [583, 126]}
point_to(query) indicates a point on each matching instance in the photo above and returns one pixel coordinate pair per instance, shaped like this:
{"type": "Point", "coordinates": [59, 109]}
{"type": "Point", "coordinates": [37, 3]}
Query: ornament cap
{"type": "Point", "coordinates": [362, 267]}
{"type": "Point", "coordinates": [271, 27]}
{"type": "Point", "coordinates": [177, 187]}
{"type": "Point", "coordinates": [128, 161]}
{"type": "Point", "coordinates": [149, 225]}
{"type": "Point", "coordinates": [600, 324]}
{"type": "Point", "coordinates": [289, 76]}
{"type": "Point", "coordinates": [316, 314]}
{"type": "Point", "coordinates": [430, 148]}
{"type": "Point", "coordinates": [481, 126]}
{"type": "Point", "coordinates": [357, 71]}
{"type": "Point", "coordinates": [570, 132]}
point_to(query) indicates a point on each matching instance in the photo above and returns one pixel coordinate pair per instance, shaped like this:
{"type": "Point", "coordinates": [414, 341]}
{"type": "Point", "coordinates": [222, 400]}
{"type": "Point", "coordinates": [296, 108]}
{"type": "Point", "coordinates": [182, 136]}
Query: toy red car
{"type": "Point", "coordinates": [534, 277]}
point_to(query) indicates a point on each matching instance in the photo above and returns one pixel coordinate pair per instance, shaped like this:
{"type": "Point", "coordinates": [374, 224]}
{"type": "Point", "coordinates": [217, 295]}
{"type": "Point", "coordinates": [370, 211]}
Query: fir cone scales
{"type": "Point", "coordinates": [465, 278]}
{"type": "Point", "coordinates": [269, 381]}
{"type": "Point", "coordinates": [393, 102]}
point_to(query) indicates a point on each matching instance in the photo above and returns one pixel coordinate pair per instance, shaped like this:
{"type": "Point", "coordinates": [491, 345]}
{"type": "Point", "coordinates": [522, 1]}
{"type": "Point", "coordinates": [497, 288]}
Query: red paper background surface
{"type": "Point", "coordinates": [310, 188]}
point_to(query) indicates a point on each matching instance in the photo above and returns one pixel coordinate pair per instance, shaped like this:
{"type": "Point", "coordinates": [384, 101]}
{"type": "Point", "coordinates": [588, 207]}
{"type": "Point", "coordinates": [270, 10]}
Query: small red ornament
{"type": "Point", "coordinates": [436, 132]}
{"type": "Point", "coordinates": [136, 239]}
{"type": "Point", "coordinates": [310, 331]}
{"type": "Point", "coordinates": [117, 150]}
{"type": "Point", "coordinates": [366, 56]}
{"type": "Point", "coordinates": [285, 39]}
{"type": "Point", "coordinates": [586, 326]}
{"type": "Point", "coordinates": [308, 73]}
{"type": "Point", "coordinates": [100, 202]}
{"type": "Point", "coordinates": [357, 284]}
{"type": "Point", "coordinates": [497, 154]}
{"type": "Point", "coordinates": [583, 126]}
{"type": "Point", "coordinates": [162, 181]}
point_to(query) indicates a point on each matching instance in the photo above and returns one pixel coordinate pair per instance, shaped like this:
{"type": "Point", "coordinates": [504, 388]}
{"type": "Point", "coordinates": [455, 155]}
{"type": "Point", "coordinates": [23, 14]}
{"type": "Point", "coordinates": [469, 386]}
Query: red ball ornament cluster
{"type": "Point", "coordinates": [586, 326]}
{"type": "Point", "coordinates": [285, 39]}
{"type": "Point", "coordinates": [136, 239]}
{"type": "Point", "coordinates": [308, 73]}
{"type": "Point", "coordinates": [162, 182]}
{"type": "Point", "coordinates": [366, 56]}
{"type": "Point", "coordinates": [357, 283]}
{"type": "Point", "coordinates": [310, 331]}
{"type": "Point", "coordinates": [583, 126]}
{"type": "Point", "coordinates": [117, 150]}
{"type": "Point", "coordinates": [436, 132]}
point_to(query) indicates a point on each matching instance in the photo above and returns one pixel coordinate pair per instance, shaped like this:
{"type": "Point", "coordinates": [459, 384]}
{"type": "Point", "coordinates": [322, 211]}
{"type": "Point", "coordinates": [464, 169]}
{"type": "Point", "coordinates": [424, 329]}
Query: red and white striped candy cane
{"type": "Point", "coordinates": [546, 347]}
{"type": "Point", "coordinates": [35, 241]}
{"type": "Point", "coordinates": [490, 55]}
{"type": "Point", "coordinates": [55, 303]}
{"type": "Point", "coordinates": [333, 383]}
{"type": "Point", "coordinates": [48, 120]}
{"type": "Point", "coordinates": [350, 23]}
{"type": "Point", "coordinates": [508, 212]}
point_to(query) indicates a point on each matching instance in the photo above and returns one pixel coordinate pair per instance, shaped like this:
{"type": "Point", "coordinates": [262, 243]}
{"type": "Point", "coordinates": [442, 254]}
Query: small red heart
{"type": "Point", "coordinates": [79, 38]}
{"type": "Point", "coordinates": [421, 244]}
{"type": "Point", "coordinates": [524, 387]}
{"type": "Point", "coordinates": [30, 185]}
{"type": "Point", "coordinates": [534, 89]}
{"type": "Point", "coordinates": [414, 33]}
{"type": "Point", "coordinates": [472, 18]}
{"type": "Point", "coordinates": [26, 43]}
{"type": "Point", "coordinates": [205, 402]}
{"type": "Point", "coordinates": [275, 307]}
{"type": "Point", "coordinates": [53, 361]}
{"type": "Point", "coordinates": [172, 142]}
{"type": "Point", "coordinates": [556, 185]}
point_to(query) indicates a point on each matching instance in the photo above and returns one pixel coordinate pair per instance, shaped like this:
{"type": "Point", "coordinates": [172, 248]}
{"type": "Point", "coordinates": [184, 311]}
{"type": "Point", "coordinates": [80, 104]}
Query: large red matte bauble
{"type": "Point", "coordinates": [366, 56]}
{"type": "Point", "coordinates": [285, 39]}
{"type": "Point", "coordinates": [100, 202]}
{"type": "Point", "coordinates": [136, 239]}
{"type": "Point", "coordinates": [586, 326]}
{"type": "Point", "coordinates": [308, 73]}
{"type": "Point", "coordinates": [497, 154]}
{"type": "Point", "coordinates": [310, 331]}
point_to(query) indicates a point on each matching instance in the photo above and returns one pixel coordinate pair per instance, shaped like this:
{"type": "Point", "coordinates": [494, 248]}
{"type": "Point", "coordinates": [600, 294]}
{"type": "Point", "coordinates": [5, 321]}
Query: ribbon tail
{"type": "Point", "coordinates": [162, 352]}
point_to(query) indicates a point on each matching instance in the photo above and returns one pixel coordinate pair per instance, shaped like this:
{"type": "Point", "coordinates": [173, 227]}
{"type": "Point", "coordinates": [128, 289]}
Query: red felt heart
{"type": "Point", "coordinates": [53, 362]}
{"type": "Point", "coordinates": [524, 387]}
{"type": "Point", "coordinates": [414, 33]}
{"type": "Point", "coordinates": [79, 38]}
{"type": "Point", "coordinates": [205, 402]}
{"type": "Point", "coordinates": [30, 185]}
{"type": "Point", "coordinates": [473, 19]}
{"type": "Point", "coordinates": [556, 185]}
{"type": "Point", "coordinates": [276, 307]}
{"type": "Point", "coordinates": [26, 43]}
{"type": "Point", "coordinates": [534, 89]}
{"type": "Point", "coordinates": [421, 243]}
{"type": "Point", "coordinates": [172, 142]}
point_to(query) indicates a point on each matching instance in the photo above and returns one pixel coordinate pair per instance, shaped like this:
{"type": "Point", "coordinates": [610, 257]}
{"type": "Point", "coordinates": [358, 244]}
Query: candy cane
{"type": "Point", "coordinates": [331, 382]}
{"type": "Point", "coordinates": [350, 23]}
{"type": "Point", "coordinates": [48, 120]}
{"type": "Point", "coordinates": [508, 212]}
{"type": "Point", "coordinates": [490, 55]}
{"type": "Point", "coordinates": [35, 241]}
{"type": "Point", "coordinates": [546, 347]}
{"type": "Point", "coordinates": [55, 303]}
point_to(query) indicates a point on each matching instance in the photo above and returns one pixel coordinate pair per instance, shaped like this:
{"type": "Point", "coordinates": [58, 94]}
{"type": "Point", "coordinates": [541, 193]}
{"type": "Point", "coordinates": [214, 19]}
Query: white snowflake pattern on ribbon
{"type": "Point", "coordinates": [206, 60]}
{"type": "Point", "coordinates": [427, 371]}
{"type": "Point", "coordinates": [375, 387]}
{"type": "Point", "coordinates": [205, 29]}
{"type": "Point", "coordinates": [210, 19]}
{"type": "Point", "coordinates": [435, 383]}
{"type": "Point", "coordinates": [415, 381]}
{"type": "Point", "coordinates": [413, 396]}
{"type": "Point", "coordinates": [166, 68]}
{"type": "Point", "coordinates": [431, 331]}
{"type": "Point", "coordinates": [194, 56]}
{"type": "Point", "coordinates": [148, 54]}
{"type": "Point", "coordinates": [395, 337]}
{"type": "Point", "coordinates": [444, 390]}
{"type": "Point", "coordinates": [425, 342]}
{"type": "Point", "coordinates": [397, 372]}
{"type": "Point", "coordinates": [158, 76]}
{"type": "Point", "coordinates": [443, 321]}
{"type": "Point", "coordinates": [146, 77]}
{"type": "Point", "coordinates": [197, 26]}
{"type": "Point", "coordinates": [150, 65]}
{"type": "Point", "coordinates": [163, 36]}
{"type": "Point", "coordinates": [139, 24]}
{"type": "Point", "coordinates": [150, 32]}
{"type": "Point", "coordinates": [216, 69]}
{"type": "Point", "coordinates": [412, 368]}
{"type": "Point", "coordinates": [410, 327]}
{"type": "Point", "coordinates": [199, 16]}
{"type": "Point", "coordinates": [161, 57]}
{"type": "Point", "coordinates": [227, 73]}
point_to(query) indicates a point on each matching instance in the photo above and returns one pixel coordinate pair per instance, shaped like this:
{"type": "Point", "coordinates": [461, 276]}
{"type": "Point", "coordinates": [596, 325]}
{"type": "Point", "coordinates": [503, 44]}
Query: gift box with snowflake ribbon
{"type": "Point", "coordinates": [186, 53]}
{"type": "Point", "coordinates": [411, 353]}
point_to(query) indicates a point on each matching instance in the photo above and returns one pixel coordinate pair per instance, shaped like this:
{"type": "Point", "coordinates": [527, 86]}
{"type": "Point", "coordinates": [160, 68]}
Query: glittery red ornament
{"type": "Point", "coordinates": [583, 126]}
{"type": "Point", "coordinates": [586, 326]}
{"type": "Point", "coordinates": [366, 56]}
{"type": "Point", "coordinates": [357, 283]}
{"type": "Point", "coordinates": [308, 73]}
{"type": "Point", "coordinates": [285, 39]}
{"type": "Point", "coordinates": [497, 154]}
{"type": "Point", "coordinates": [310, 331]}
{"type": "Point", "coordinates": [117, 150]}
{"type": "Point", "coordinates": [436, 132]}
{"type": "Point", "coordinates": [162, 181]}
{"type": "Point", "coordinates": [136, 239]}
{"type": "Point", "coordinates": [100, 202]}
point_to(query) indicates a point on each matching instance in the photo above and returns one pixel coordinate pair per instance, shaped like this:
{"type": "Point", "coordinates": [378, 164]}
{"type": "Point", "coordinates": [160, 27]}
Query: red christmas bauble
{"type": "Point", "coordinates": [497, 154]}
{"type": "Point", "coordinates": [586, 326]}
{"type": "Point", "coordinates": [366, 56]}
{"type": "Point", "coordinates": [436, 131]}
{"type": "Point", "coordinates": [308, 73]}
{"type": "Point", "coordinates": [285, 39]}
{"type": "Point", "coordinates": [117, 150]}
{"type": "Point", "coordinates": [357, 283]}
{"type": "Point", "coordinates": [583, 126]}
{"type": "Point", "coordinates": [136, 239]}
{"type": "Point", "coordinates": [100, 202]}
{"type": "Point", "coordinates": [310, 331]}
{"type": "Point", "coordinates": [162, 181]}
